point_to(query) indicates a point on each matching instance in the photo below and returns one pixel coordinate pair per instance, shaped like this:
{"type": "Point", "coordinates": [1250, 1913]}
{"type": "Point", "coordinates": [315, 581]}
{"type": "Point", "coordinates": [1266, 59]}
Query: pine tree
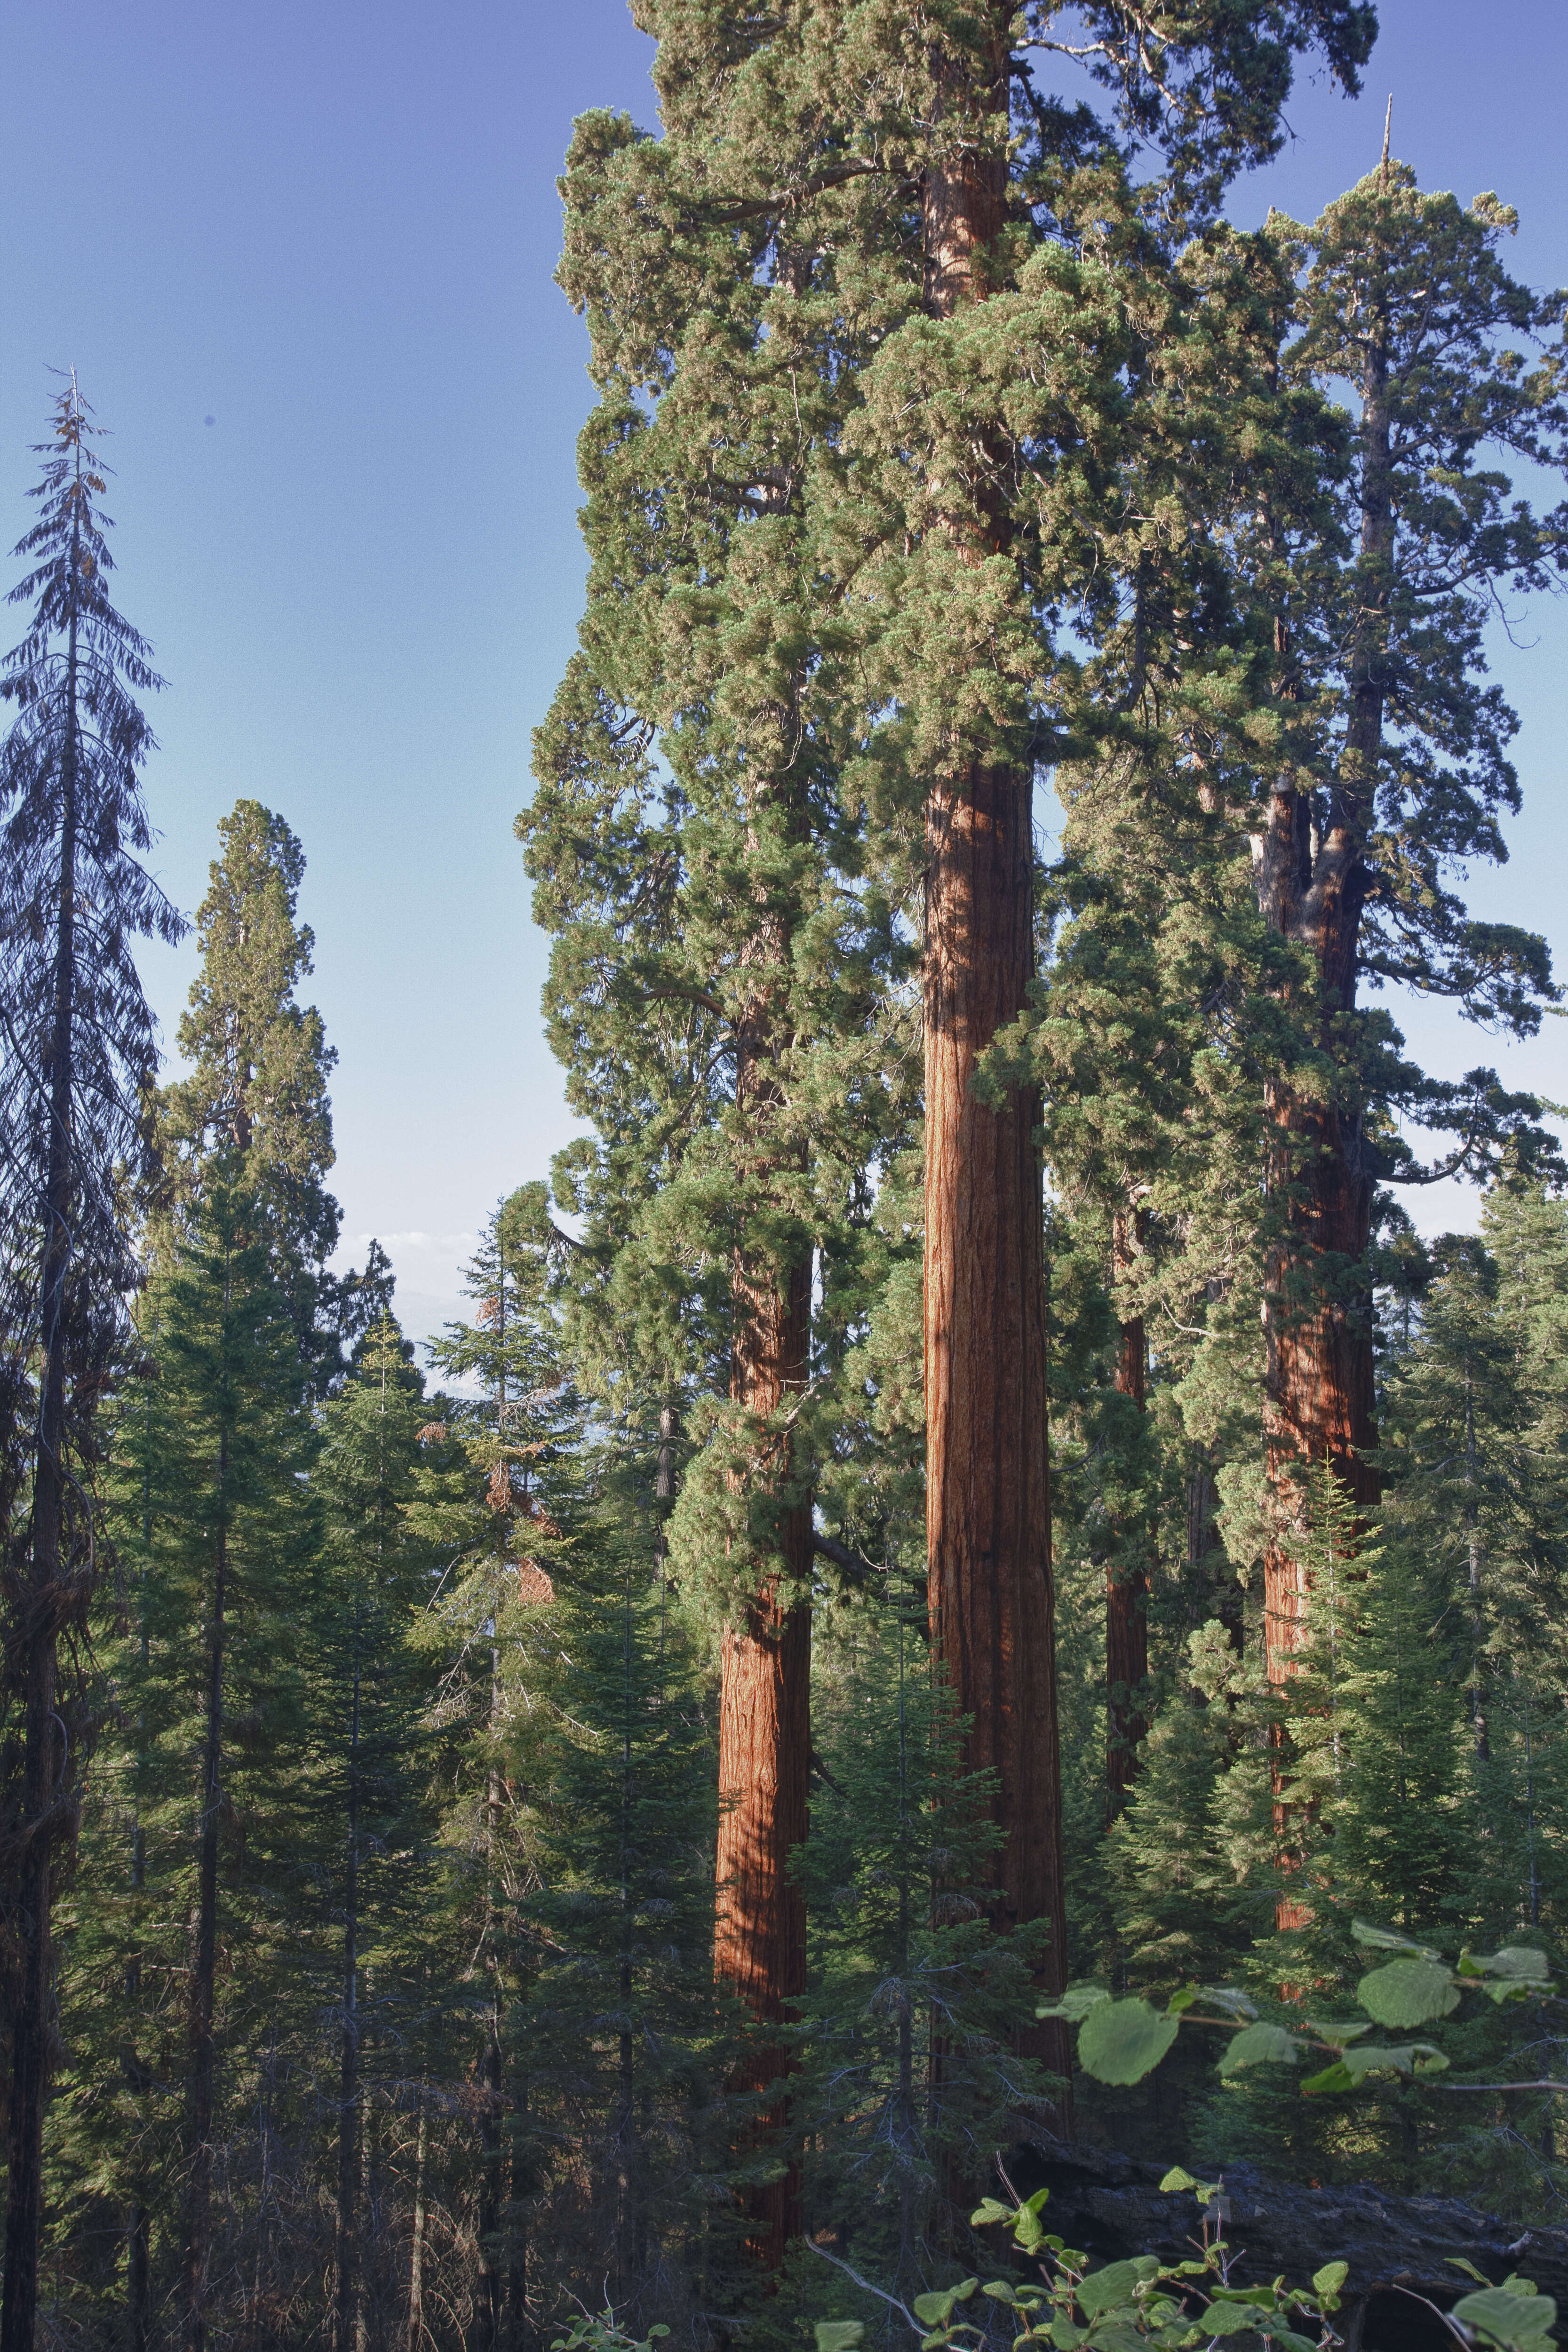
{"type": "Point", "coordinates": [79, 1052]}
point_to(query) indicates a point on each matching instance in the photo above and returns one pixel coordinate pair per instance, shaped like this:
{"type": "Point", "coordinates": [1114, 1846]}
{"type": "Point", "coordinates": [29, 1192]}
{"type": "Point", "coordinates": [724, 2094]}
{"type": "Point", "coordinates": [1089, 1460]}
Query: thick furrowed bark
{"type": "Point", "coordinates": [987, 1511]}
{"type": "Point", "coordinates": [765, 1753]}
{"type": "Point", "coordinates": [987, 1517]}
{"type": "Point", "coordinates": [1318, 1323]}
{"type": "Point", "coordinates": [1318, 1398]}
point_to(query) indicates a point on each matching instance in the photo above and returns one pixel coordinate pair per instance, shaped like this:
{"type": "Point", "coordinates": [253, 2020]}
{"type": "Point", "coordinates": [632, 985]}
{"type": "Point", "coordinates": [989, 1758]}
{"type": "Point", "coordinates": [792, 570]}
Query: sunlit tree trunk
{"type": "Point", "coordinates": [1318, 1309]}
{"type": "Point", "coordinates": [765, 1753]}
{"type": "Point", "coordinates": [987, 1515]}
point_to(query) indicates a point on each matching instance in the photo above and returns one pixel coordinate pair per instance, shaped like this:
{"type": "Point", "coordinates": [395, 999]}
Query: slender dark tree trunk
{"type": "Point", "coordinates": [988, 1513]}
{"type": "Point", "coordinates": [415, 2334]}
{"type": "Point", "coordinates": [491, 2314]}
{"type": "Point", "coordinates": [1312, 882]}
{"type": "Point", "coordinates": [1479, 1735]}
{"type": "Point", "coordinates": [347, 2281]}
{"type": "Point", "coordinates": [198, 2225]}
{"type": "Point", "coordinates": [43, 1764]}
{"type": "Point", "coordinates": [517, 2232]}
{"type": "Point", "coordinates": [1127, 1577]}
{"type": "Point", "coordinates": [138, 2280]}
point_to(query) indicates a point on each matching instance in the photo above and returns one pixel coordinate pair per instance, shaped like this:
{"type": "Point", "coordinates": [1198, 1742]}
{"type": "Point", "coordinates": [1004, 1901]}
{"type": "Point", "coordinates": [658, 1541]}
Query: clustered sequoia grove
{"type": "Point", "coordinates": [588, 1831]}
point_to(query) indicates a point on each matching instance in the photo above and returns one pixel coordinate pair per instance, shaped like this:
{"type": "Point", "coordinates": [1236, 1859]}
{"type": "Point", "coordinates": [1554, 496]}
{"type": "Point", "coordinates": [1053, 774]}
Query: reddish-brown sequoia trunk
{"type": "Point", "coordinates": [764, 1752]}
{"type": "Point", "coordinates": [1311, 886]}
{"type": "Point", "coordinates": [987, 1516]}
{"type": "Point", "coordinates": [1127, 1578]}
{"type": "Point", "coordinates": [765, 1688]}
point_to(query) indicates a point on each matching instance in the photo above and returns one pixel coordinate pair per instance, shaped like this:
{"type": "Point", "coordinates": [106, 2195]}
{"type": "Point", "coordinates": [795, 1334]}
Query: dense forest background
{"type": "Point", "coordinates": [965, 1505]}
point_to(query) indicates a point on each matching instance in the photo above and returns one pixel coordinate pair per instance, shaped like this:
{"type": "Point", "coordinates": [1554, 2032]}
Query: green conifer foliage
{"type": "Point", "coordinates": [621, 2048]}
{"type": "Point", "coordinates": [495, 1490]}
{"type": "Point", "coordinates": [722, 943]}
{"type": "Point", "coordinates": [199, 1836]}
{"type": "Point", "coordinates": [257, 1087]}
{"type": "Point", "coordinates": [371, 1772]}
{"type": "Point", "coordinates": [1380, 628]}
{"type": "Point", "coordinates": [910, 2074]}
{"type": "Point", "coordinates": [77, 1051]}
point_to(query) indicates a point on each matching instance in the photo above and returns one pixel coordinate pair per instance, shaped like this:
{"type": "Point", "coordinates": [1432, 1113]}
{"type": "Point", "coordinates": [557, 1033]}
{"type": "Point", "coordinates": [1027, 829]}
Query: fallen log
{"type": "Point", "coordinates": [1401, 2250]}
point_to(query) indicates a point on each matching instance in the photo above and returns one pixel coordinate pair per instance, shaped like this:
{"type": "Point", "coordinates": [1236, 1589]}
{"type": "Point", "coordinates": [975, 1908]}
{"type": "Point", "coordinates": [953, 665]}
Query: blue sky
{"type": "Point", "coordinates": [331, 229]}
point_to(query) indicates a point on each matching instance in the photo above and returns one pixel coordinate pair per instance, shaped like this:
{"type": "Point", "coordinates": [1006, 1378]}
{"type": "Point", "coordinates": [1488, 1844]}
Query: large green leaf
{"type": "Point", "coordinates": [1520, 1961]}
{"type": "Point", "coordinates": [1076, 2002]}
{"type": "Point", "coordinates": [1122, 2041]}
{"type": "Point", "coordinates": [936, 2309]}
{"type": "Point", "coordinates": [1517, 1972]}
{"type": "Point", "coordinates": [1117, 2283]}
{"type": "Point", "coordinates": [1233, 2319]}
{"type": "Point", "coordinates": [1501, 2317]}
{"type": "Point", "coordinates": [839, 2335]}
{"type": "Point", "coordinates": [1388, 2058]}
{"type": "Point", "coordinates": [1260, 2045]}
{"type": "Point", "coordinates": [1385, 1939]}
{"type": "Point", "coordinates": [1408, 1993]}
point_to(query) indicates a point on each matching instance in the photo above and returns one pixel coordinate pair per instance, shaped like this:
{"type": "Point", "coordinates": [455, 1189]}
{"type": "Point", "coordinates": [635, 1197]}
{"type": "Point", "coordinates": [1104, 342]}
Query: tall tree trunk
{"type": "Point", "coordinates": [987, 1511]}
{"type": "Point", "coordinates": [1479, 1735]}
{"type": "Point", "coordinates": [416, 2335]}
{"type": "Point", "coordinates": [42, 1608]}
{"type": "Point", "coordinates": [490, 2316]}
{"type": "Point", "coordinates": [203, 1969]}
{"type": "Point", "coordinates": [347, 2280]}
{"type": "Point", "coordinates": [764, 1755]}
{"type": "Point", "coordinates": [1127, 1577]}
{"type": "Point", "coordinates": [1312, 883]}
{"type": "Point", "coordinates": [517, 2232]}
{"type": "Point", "coordinates": [138, 2280]}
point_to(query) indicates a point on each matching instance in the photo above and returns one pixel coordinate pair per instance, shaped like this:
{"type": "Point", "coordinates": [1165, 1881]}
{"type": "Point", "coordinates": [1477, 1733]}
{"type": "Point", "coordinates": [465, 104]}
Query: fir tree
{"type": "Point", "coordinates": [367, 1697]}
{"type": "Point", "coordinates": [621, 2041]}
{"type": "Point", "coordinates": [78, 1040]}
{"type": "Point", "coordinates": [212, 1682]}
{"type": "Point", "coordinates": [494, 1491]}
{"type": "Point", "coordinates": [255, 1086]}
{"type": "Point", "coordinates": [910, 2076]}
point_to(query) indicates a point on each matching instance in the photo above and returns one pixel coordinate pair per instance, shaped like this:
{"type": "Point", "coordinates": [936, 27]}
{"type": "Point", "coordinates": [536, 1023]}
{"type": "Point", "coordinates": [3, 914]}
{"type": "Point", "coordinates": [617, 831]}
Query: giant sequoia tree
{"type": "Point", "coordinates": [807, 302]}
{"type": "Point", "coordinates": [79, 1049]}
{"type": "Point", "coordinates": [1403, 778]}
{"type": "Point", "coordinates": [714, 987]}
